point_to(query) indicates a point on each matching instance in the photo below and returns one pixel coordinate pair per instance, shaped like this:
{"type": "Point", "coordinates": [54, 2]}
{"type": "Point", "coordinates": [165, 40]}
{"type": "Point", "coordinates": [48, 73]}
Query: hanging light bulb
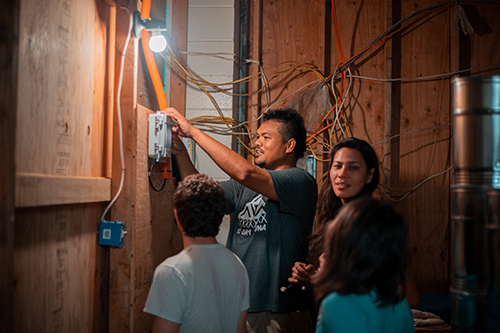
{"type": "Point", "coordinates": [157, 42]}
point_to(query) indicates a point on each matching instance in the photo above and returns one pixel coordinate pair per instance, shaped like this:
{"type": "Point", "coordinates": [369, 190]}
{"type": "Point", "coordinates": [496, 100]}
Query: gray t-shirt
{"type": "Point", "coordinates": [270, 236]}
{"type": "Point", "coordinates": [204, 288]}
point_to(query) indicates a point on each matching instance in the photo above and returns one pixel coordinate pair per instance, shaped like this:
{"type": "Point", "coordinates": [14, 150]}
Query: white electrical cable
{"type": "Point", "coordinates": [436, 76]}
{"type": "Point", "coordinates": [219, 129]}
{"type": "Point", "coordinates": [291, 94]}
{"type": "Point", "coordinates": [338, 108]}
{"type": "Point", "coordinates": [415, 131]}
{"type": "Point", "coordinates": [213, 55]}
{"type": "Point", "coordinates": [343, 100]}
{"type": "Point", "coordinates": [414, 187]}
{"type": "Point", "coordinates": [122, 180]}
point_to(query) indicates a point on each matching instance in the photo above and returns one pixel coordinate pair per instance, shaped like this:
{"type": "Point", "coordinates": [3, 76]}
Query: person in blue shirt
{"type": "Point", "coordinates": [362, 265]}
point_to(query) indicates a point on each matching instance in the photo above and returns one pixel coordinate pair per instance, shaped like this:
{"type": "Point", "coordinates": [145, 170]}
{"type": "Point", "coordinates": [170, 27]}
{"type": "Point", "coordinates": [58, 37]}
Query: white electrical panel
{"type": "Point", "coordinates": [160, 137]}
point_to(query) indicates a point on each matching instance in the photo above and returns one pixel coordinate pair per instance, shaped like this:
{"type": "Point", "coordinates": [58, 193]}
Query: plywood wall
{"type": "Point", "coordinates": [68, 168]}
{"type": "Point", "coordinates": [423, 105]}
{"type": "Point", "coordinates": [61, 274]}
{"type": "Point", "coordinates": [152, 235]}
{"type": "Point", "coordinates": [416, 112]}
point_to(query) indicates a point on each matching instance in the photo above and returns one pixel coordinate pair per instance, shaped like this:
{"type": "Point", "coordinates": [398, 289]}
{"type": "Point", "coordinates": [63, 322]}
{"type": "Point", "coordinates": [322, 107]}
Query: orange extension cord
{"type": "Point", "coordinates": [155, 76]}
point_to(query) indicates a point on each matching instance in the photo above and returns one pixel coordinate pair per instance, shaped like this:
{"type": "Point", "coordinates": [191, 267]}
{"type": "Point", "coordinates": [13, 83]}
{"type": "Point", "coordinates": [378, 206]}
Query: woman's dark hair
{"type": "Point", "coordinates": [201, 204]}
{"type": "Point", "coordinates": [329, 204]}
{"type": "Point", "coordinates": [292, 127]}
{"type": "Point", "coordinates": [365, 250]}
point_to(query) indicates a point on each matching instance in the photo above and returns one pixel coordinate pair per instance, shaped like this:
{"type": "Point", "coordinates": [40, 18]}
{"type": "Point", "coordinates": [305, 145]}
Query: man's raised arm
{"type": "Point", "coordinates": [237, 167]}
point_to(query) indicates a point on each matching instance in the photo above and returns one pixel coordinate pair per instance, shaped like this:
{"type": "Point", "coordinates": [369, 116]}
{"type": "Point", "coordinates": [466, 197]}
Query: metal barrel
{"type": "Point", "coordinates": [475, 203]}
{"type": "Point", "coordinates": [469, 287]}
{"type": "Point", "coordinates": [476, 130]}
{"type": "Point", "coordinates": [493, 236]}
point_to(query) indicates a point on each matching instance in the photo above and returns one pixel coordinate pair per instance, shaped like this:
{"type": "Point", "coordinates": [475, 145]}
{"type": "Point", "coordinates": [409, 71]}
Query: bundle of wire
{"type": "Point", "coordinates": [316, 143]}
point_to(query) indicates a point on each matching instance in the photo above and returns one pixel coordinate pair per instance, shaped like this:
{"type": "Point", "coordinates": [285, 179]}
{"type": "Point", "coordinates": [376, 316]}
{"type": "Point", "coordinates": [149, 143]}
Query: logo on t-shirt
{"type": "Point", "coordinates": [253, 217]}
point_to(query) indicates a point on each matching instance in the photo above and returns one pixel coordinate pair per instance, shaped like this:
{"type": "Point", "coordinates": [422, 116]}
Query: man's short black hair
{"type": "Point", "coordinates": [292, 127]}
{"type": "Point", "coordinates": [201, 204]}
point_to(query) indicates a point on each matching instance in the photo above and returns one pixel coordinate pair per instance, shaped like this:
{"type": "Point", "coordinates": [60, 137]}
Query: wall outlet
{"type": "Point", "coordinates": [111, 233]}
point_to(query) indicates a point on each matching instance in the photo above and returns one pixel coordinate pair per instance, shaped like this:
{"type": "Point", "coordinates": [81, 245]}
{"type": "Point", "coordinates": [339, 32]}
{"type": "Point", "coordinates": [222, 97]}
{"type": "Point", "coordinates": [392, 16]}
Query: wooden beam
{"type": "Point", "coordinates": [110, 92]}
{"type": "Point", "coordinates": [9, 35]}
{"type": "Point", "coordinates": [386, 165]}
{"type": "Point", "coordinates": [104, 67]}
{"type": "Point", "coordinates": [254, 52]}
{"type": "Point", "coordinates": [392, 49]}
{"type": "Point", "coordinates": [120, 293]}
{"type": "Point", "coordinates": [151, 236]}
{"type": "Point", "coordinates": [155, 234]}
{"type": "Point", "coordinates": [179, 40]}
{"type": "Point", "coordinates": [45, 190]}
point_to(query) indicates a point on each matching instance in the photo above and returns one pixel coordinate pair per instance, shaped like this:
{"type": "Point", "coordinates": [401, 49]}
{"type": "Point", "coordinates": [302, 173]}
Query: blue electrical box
{"type": "Point", "coordinates": [111, 233]}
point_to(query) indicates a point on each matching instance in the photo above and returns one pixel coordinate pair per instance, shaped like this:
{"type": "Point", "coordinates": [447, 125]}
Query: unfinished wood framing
{"type": "Point", "coordinates": [34, 190]}
{"type": "Point", "coordinates": [179, 40]}
{"type": "Point", "coordinates": [253, 105]}
{"type": "Point", "coordinates": [148, 215]}
{"type": "Point", "coordinates": [60, 139]}
{"type": "Point", "coordinates": [282, 36]}
{"type": "Point", "coordinates": [151, 237]}
{"type": "Point", "coordinates": [376, 110]}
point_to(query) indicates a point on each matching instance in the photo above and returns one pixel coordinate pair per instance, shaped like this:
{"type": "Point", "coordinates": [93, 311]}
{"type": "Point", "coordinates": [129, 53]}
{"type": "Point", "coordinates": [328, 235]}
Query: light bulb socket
{"type": "Point", "coordinates": [138, 24]}
{"type": "Point", "coordinates": [150, 25]}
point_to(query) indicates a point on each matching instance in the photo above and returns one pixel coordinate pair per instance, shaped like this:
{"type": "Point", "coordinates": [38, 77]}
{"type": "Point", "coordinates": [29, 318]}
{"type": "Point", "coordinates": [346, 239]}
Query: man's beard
{"type": "Point", "coordinates": [261, 164]}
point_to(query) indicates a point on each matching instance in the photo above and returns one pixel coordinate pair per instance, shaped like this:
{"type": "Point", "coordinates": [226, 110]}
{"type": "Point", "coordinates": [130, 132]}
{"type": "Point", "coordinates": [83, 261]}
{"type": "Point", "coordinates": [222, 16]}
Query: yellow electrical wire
{"type": "Point", "coordinates": [191, 76]}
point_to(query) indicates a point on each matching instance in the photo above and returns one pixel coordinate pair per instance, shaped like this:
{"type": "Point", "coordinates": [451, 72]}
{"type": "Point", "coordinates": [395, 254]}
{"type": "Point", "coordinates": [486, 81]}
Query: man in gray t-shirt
{"type": "Point", "coordinates": [268, 236]}
{"type": "Point", "coordinates": [273, 203]}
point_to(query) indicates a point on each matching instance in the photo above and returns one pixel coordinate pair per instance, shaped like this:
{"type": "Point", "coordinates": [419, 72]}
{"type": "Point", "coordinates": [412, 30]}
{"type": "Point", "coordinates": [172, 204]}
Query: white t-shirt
{"type": "Point", "coordinates": [204, 288]}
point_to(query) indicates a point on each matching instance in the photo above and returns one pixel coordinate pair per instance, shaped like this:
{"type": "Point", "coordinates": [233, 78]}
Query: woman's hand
{"type": "Point", "coordinates": [300, 273]}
